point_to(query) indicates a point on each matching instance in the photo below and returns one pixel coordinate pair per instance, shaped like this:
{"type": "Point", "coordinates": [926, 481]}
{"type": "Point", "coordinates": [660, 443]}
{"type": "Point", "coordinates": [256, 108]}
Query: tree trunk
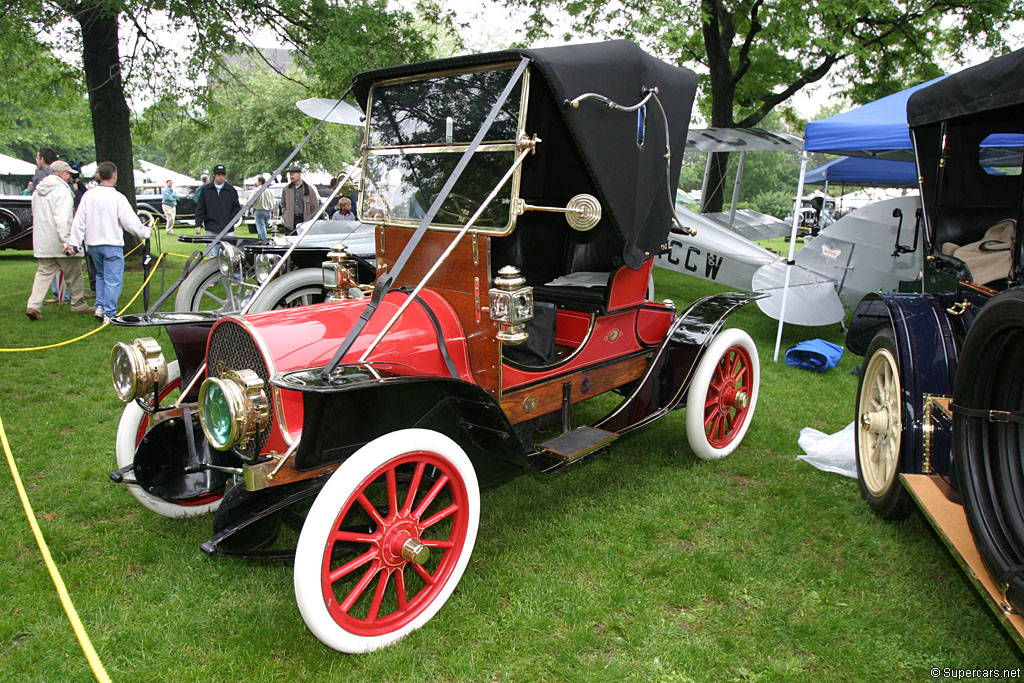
{"type": "Point", "coordinates": [111, 119]}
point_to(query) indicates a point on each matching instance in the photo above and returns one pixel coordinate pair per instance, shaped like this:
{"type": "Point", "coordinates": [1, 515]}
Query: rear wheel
{"type": "Point", "coordinates": [386, 540]}
{"type": "Point", "coordinates": [988, 449]}
{"type": "Point", "coordinates": [880, 428]}
{"type": "Point", "coordinates": [297, 288]}
{"type": "Point", "coordinates": [722, 396]}
{"type": "Point", "coordinates": [130, 430]}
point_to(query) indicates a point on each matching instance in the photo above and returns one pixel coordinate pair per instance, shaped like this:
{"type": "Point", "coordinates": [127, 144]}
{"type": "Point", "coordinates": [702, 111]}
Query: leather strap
{"type": "Point", "coordinates": [1007, 416]}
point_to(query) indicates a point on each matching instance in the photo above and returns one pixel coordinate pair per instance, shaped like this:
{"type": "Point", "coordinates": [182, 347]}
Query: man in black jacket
{"type": "Point", "coordinates": [217, 204]}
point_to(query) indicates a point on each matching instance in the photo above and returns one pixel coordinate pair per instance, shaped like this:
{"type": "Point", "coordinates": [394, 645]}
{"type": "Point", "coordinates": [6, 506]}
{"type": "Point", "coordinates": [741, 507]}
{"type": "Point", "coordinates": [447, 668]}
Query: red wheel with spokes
{"type": "Point", "coordinates": [133, 426]}
{"type": "Point", "coordinates": [722, 396]}
{"type": "Point", "coordinates": [386, 540]}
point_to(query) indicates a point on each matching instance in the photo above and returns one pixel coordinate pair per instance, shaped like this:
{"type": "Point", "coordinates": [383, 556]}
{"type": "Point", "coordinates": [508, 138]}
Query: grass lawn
{"type": "Point", "coordinates": [641, 563]}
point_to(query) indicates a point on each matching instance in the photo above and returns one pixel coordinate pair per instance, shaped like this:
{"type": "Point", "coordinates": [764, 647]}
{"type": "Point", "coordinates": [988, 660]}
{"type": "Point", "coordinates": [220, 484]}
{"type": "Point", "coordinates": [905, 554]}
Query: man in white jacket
{"type": "Point", "coordinates": [102, 217]}
{"type": "Point", "coordinates": [52, 211]}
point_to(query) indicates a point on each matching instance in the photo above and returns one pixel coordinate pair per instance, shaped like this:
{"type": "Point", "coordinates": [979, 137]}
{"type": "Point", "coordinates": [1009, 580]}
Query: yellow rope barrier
{"type": "Point", "coordinates": [89, 334]}
{"type": "Point", "coordinates": [83, 638]}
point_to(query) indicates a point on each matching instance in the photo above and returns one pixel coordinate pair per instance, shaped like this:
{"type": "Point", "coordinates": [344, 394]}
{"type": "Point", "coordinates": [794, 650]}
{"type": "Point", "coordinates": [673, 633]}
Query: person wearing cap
{"type": "Point", "coordinates": [299, 200]}
{"type": "Point", "coordinates": [52, 213]}
{"type": "Point", "coordinates": [217, 204]}
{"type": "Point", "coordinates": [169, 203]}
{"type": "Point", "coordinates": [102, 218]}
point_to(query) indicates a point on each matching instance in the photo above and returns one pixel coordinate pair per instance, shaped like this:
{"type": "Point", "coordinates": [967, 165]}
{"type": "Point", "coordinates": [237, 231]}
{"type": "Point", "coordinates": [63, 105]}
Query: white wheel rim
{"type": "Point", "coordinates": [880, 417]}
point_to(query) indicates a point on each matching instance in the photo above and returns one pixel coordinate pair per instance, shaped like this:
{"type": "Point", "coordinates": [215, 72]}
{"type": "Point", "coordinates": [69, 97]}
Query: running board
{"type": "Point", "coordinates": [577, 443]}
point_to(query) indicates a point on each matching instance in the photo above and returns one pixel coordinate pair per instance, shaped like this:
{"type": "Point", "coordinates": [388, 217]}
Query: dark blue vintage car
{"type": "Point", "coordinates": [940, 394]}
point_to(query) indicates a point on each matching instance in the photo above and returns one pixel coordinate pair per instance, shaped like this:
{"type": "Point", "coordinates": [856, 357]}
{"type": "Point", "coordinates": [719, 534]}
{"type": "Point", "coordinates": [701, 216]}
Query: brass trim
{"type": "Point", "coordinates": [503, 146]}
{"type": "Point", "coordinates": [367, 151]}
{"type": "Point", "coordinates": [268, 359]}
{"type": "Point", "coordinates": [942, 403]}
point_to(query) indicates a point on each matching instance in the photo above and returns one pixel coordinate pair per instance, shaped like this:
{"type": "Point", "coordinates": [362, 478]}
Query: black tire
{"type": "Point", "coordinates": [879, 440]}
{"type": "Point", "coordinates": [988, 455]}
{"type": "Point", "coordinates": [297, 288]}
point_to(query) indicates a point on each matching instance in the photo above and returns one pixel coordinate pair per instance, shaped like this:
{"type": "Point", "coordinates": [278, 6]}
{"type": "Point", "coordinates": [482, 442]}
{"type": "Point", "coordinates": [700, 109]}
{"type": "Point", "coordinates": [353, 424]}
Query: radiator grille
{"type": "Point", "coordinates": [232, 348]}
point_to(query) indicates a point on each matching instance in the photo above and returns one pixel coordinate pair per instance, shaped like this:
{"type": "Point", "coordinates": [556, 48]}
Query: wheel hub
{"type": "Point", "coordinates": [401, 544]}
{"type": "Point", "coordinates": [876, 422]}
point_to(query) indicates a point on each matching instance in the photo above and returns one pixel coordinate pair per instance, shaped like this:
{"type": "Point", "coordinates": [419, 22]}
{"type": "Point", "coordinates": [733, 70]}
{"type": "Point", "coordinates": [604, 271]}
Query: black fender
{"type": "Point", "coordinates": [664, 384]}
{"type": "Point", "coordinates": [926, 335]}
{"type": "Point", "coordinates": [340, 418]}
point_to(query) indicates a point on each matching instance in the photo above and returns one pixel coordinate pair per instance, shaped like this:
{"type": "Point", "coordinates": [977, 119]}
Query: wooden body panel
{"type": "Point", "coordinates": [546, 397]}
{"type": "Point", "coordinates": [463, 280]}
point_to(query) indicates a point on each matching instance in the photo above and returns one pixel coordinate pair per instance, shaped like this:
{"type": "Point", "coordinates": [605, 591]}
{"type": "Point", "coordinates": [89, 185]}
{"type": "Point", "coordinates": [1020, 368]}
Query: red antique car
{"type": "Point", "coordinates": [518, 210]}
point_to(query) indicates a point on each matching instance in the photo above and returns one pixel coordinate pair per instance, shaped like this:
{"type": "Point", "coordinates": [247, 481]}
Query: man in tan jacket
{"type": "Point", "coordinates": [52, 212]}
{"type": "Point", "coordinates": [299, 200]}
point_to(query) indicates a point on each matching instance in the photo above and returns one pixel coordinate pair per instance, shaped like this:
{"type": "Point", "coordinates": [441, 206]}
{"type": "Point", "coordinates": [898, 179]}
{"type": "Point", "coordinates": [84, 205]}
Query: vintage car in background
{"type": "Point", "coordinates": [15, 222]}
{"type": "Point", "coordinates": [248, 263]}
{"type": "Point", "coordinates": [149, 203]}
{"type": "Point", "coordinates": [940, 402]}
{"type": "Point", "coordinates": [517, 210]}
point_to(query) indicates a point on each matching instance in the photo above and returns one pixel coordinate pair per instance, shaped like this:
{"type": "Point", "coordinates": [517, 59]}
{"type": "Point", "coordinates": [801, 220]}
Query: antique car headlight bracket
{"type": "Point", "coordinates": [137, 368]}
{"type": "Point", "coordinates": [510, 304]}
{"type": "Point", "coordinates": [233, 409]}
{"type": "Point", "coordinates": [229, 258]}
{"type": "Point", "coordinates": [264, 265]}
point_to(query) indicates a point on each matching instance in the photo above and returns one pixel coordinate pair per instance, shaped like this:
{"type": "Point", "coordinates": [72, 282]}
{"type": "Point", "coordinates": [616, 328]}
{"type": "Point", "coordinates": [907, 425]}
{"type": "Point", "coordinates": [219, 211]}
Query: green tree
{"type": "Point", "coordinates": [753, 55]}
{"type": "Point", "coordinates": [42, 100]}
{"type": "Point", "coordinates": [323, 33]}
{"type": "Point", "coordinates": [250, 125]}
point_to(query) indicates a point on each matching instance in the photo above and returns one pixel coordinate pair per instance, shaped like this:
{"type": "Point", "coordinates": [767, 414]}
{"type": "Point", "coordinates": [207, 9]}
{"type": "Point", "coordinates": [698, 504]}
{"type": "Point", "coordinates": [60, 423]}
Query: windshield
{"type": "Point", "coordinates": [418, 129]}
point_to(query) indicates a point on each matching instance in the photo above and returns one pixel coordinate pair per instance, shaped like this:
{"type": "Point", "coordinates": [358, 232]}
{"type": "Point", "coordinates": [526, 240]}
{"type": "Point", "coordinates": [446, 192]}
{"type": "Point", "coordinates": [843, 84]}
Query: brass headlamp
{"type": "Point", "coordinates": [137, 367]}
{"type": "Point", "coordinates": [339, 273]}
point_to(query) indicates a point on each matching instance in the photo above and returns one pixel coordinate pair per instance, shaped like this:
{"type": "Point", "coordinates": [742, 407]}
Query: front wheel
{"type": "Point", "coordinates": [205, 289]}
{"type": "Point", "coordinates": [722, 396]}
{"type": "Point", "coordinates": [880, 428]}
{"type": "Point", "coordinates": [386, 540]}
{"type": "Point", "coordinates": [130, 430]}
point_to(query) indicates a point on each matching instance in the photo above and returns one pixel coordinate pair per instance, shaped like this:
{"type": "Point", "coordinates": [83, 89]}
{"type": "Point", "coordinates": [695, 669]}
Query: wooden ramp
{"type": "Point", "coordinates": [950, 522]}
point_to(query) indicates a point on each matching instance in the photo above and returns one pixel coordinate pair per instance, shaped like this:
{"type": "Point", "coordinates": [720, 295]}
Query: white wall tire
{"type": "Point", "coordinates": [722, 397]}
{"type": "Point", "coordinates": [373, 597]}
{"type": "Point", "coordinates": [133, 421]}
{"type": "Point", "coordinates": [297, 288]}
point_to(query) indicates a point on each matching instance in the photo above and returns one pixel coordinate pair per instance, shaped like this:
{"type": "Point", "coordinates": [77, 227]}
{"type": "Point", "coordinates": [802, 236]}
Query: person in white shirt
{"type": "Point", "coordinates": [100, 222]}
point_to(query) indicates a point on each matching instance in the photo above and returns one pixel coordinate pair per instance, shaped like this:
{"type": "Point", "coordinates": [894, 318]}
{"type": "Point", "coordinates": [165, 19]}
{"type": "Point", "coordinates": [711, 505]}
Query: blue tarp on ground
{"type": "Point", "coordinates": [864, 171]}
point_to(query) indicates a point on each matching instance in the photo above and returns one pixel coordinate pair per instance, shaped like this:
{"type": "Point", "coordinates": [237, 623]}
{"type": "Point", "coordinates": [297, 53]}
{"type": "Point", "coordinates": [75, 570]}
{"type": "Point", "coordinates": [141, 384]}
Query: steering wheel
{"type": "Point", "coordinates": [462, 208]}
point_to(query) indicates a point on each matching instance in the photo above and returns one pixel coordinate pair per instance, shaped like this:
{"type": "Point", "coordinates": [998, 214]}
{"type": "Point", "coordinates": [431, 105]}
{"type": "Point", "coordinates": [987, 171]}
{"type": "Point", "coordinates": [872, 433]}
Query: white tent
{"type": "Point", "coordinates": [14, 173]}
{"type": "Point", "coordinates": [89, 169]}
{"type": "Point", "coordinates": [159, 174]}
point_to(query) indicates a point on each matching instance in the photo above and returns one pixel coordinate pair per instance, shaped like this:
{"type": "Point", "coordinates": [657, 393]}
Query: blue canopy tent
{"type": "Point", "coordinates": [864, 171]}
{"type": "Point", "coordinates": [877, 129]}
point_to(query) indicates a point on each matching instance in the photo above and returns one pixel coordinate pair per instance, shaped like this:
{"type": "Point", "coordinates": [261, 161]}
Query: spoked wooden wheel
{"type": "Point", "coordinates": [880, 429]}
{"type": "Point", "coordinates": [722, 396]}
{"type": "Point", "coordinates": [386, 540]}
{"type": "Point", "coordinates": [130, 430]}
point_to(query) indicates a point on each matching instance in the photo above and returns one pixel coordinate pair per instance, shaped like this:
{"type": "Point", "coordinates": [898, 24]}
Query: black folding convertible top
{"type": "Point", "coordinates": [996, 83]}
{"type": "Point", "coordinates": [630, 178]}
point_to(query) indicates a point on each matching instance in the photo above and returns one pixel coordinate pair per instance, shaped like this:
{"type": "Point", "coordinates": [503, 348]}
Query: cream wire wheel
{"type": "Point", "coordinates": [879, 430]}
